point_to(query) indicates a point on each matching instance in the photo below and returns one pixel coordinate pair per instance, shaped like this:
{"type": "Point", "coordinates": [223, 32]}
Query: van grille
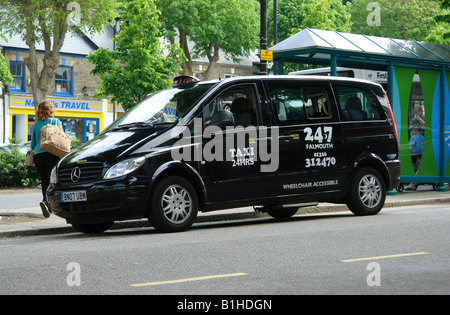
{"type": "Point", "coordinates": [89, 172]}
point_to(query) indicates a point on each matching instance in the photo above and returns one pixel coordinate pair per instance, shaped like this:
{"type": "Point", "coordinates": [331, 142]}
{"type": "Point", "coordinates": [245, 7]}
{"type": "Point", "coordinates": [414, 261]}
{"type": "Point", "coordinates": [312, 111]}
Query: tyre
{"type": "Point", "coordinates": [282, 213]}
{"type": "Point", "coordinates": [367, 192]}
{"type": "Point", "coordinates": [93, 228]}
{"type": "Point", "coordinates": [174, 205]}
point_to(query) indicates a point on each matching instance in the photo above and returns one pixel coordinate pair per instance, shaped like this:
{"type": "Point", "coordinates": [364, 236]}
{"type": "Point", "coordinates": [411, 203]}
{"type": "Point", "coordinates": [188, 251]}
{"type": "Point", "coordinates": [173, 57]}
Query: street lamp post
{"type": "Point", "coordinates": [263, 35]}
{"type": "Point", "coordinates": [275, 32]}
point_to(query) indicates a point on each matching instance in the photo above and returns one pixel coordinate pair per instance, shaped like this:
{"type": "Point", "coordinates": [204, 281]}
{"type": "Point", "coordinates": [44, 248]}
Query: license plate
{"type": "Point", "coordinates": [74, 196]}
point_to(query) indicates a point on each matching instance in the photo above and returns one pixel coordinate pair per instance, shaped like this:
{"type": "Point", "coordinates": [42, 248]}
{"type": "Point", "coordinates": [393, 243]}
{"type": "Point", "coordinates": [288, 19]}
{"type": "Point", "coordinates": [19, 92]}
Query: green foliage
{"type": "Point", "coordinates": [47, 22]}
{"type": "Point", "coordinates": [440, 27]}
{"type": "Point", "coordinates": [14, 172]}
{"type": "Point", "coordinates": [5, 75]}
{"type": "Point", "coordinates": [295, 15]}
{"type": "Point", "coordinates": [403, 19]}
{"type": "Point", "coordinates": [42, 18]}
{"type": "Point", "coordinates": [139, 64]}
{"type": "Point", "coordinates": [444, 15]}
{"type": "Point", "coordinates": [229, 25]}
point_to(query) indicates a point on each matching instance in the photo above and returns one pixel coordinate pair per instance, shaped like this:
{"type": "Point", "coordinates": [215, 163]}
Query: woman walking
{"type": "Point", "coordinates": [44, 160]}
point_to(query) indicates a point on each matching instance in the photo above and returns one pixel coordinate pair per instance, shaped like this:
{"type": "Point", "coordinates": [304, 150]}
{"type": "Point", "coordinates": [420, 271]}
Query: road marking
{"type": "Point", "coordinates": [189, 279]}
{"type": "Point", "coordinates": [385, 257]}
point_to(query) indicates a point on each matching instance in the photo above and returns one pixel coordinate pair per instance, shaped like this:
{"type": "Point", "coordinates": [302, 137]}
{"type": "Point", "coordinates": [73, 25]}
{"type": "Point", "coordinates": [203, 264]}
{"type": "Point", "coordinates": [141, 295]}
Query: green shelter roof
{"type": "Point", "coordinates": [315, 46]}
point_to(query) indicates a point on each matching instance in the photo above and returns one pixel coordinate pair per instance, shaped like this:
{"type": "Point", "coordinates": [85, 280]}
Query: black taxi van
{"type": "Point", "coordinates": [273, 142]}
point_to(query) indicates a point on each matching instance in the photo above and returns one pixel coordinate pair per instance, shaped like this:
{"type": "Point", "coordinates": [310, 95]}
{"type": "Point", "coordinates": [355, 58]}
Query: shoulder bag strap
{"type": "Point", "coordinates": [46, 131]}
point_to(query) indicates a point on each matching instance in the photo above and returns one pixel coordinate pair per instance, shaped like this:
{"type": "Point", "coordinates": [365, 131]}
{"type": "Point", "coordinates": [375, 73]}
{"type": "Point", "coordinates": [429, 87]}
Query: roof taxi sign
{"type": "Point", "coordinates": [184, 79]}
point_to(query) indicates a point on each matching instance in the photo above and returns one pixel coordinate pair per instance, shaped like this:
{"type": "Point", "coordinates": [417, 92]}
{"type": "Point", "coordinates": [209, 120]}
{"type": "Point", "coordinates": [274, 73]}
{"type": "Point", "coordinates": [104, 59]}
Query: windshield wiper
{"type": "Point", "coordinates": [137, 124]}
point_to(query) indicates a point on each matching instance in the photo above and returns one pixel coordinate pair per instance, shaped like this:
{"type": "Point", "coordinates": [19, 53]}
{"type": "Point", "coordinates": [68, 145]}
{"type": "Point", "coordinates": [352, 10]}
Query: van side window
{"type": "Point", "coordinates": [358, 104]}
{"type": "Point", "coordinates": [316, 103]}
{"type": "Point", "coordinates": [298, 105]}
{"type": "Point", "coordinates": [240, 101]}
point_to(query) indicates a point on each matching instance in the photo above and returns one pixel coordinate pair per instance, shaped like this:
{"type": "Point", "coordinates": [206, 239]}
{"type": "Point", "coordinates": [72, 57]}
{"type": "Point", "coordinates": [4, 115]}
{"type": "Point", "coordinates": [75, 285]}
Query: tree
{"type": "Point", "coordinates": [295, 15]}
{"type": "Point", "coordinates": [139, 64]}
{"type": "Point", "coordinates": [5, 75]}
{"type": "Point", "coordinates": [228, 25]}
{"type": "Point", "coordinates": [440, 30]}
{"type": "Point", "coordinates": [403, 19]}
{"type": "Point", "coordinates": [48, 22]}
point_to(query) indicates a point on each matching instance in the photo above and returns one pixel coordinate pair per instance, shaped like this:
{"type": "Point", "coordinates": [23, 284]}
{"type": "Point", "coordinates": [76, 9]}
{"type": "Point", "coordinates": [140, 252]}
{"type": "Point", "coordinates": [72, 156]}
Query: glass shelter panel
{"type": "Point", "coordinates": [391, 46]}
{"type": "Point", "coordinates": [338, 41]}
{"type": "Point", "coordinates": [364, 43]}
{"type": "Point", "coordinates": [419, 50]}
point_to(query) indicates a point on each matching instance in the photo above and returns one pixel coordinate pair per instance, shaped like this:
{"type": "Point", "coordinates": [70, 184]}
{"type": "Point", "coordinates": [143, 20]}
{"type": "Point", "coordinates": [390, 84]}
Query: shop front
{"type": "Point", "coordinates": [81, 119]}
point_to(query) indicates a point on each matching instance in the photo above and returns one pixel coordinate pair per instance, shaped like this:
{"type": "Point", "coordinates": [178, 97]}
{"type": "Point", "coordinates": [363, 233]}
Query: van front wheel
{"type": "Point", "coordinates": [174, 205]}
{"type": "Point", "coordinates": [367, 192]}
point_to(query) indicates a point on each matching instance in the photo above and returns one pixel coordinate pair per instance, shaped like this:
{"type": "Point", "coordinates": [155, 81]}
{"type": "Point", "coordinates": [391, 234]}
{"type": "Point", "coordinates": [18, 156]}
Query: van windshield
{"type": "Point", "coordinates": [162, 107]}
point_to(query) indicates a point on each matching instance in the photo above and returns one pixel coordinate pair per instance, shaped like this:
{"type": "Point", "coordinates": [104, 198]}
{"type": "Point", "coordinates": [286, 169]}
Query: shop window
{"type": "Point", "coordinates": [83, 129]}
{"type": "Point", "coordinates": [17, 70]}
{"type": "Point", "coordinates": [74, 127]}
{"type": "Point", "coordinates": [63, 81]}
{"type": "Point", "coordinates": [30, 125]}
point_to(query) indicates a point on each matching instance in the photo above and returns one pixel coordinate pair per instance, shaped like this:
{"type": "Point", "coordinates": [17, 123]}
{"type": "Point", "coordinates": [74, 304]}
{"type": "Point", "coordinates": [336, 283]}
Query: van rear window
{"type": "Point", "coordinates": [358, 104]}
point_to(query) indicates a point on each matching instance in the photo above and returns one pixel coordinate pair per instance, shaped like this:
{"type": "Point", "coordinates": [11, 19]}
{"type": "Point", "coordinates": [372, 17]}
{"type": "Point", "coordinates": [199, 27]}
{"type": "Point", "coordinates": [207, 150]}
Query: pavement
{"type": "Point", "coordinates": [30, 221]}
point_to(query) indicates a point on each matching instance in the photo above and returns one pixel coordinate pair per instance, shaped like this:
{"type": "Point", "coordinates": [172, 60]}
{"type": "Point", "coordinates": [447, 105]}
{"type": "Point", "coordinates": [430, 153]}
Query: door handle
{"type": "Point", "coordinates": [286, 138]}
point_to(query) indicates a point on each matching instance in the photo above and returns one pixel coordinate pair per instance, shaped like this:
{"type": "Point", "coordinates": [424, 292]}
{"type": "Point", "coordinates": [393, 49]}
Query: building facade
{"type": "Point", "coordinates": [72, 93]}
{"type": "Point", "coordinates": [83, 117]}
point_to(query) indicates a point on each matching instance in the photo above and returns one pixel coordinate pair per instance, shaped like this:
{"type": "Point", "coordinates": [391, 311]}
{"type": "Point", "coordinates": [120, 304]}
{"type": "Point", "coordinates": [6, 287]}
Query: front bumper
{"type": "Point", "coordinates": [107, 201]}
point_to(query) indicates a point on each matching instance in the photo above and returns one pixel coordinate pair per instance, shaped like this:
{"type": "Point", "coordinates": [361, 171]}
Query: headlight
{"type": "Point", "coordinates": [124, 167]}
{"type": "Point", "coordinates": [53, 176]}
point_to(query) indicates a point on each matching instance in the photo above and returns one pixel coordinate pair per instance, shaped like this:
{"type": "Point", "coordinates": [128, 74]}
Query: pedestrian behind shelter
{"type": "Point", "coordinates": [417, 129]}
{"type": "Point", "coordinates": [44, 161]}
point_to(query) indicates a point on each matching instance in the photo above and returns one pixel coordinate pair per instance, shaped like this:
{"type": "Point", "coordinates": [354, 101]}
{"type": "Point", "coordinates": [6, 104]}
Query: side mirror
{"type": "Point", "coordinates": [222, 119]}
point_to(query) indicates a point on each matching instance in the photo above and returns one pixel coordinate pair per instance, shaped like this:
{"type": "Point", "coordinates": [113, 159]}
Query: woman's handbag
{"type": "Point", "coordinates": [29, 159]}
{"type": "Point", "coordinates": [54, 140]}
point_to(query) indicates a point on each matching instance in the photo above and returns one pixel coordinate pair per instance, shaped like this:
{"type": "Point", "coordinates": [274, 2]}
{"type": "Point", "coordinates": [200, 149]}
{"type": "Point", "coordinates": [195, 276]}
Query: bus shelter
{"type": "Point", "coordinates": [418, 84]}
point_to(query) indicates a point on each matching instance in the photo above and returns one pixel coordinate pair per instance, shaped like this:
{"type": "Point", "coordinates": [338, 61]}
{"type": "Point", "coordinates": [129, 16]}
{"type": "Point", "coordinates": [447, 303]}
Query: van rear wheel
{"type": "Point", "coordinates": [367, 192]}
{"type": "Point", "coordinates": [174, 205]}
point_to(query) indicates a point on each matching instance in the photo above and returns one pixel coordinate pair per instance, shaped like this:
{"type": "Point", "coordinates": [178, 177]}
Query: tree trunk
{"type": "Point", "coordinates": [42, 80]}
{"type": "Point", "coordinates": [186, 66]}
{"type": "Point", "coordinates": [31, 60]}
{"type": "Point", "coordinates": [213, 59]}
